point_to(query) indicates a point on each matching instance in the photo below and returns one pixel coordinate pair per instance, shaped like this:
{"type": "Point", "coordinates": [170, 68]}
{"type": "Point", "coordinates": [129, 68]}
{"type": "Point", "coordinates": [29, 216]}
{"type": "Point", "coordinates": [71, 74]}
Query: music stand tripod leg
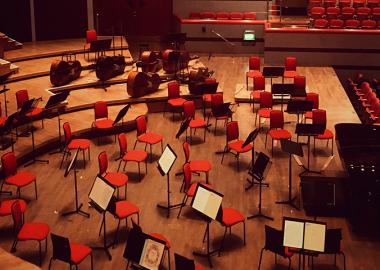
{"type": "Point", "coordinates": [260, 214]}
{"type": "Point", "coordinates": [208, 253]}
{"type": "Point", "coordinates": [169, 206]}
{"type": "Point", "coordinates": [34, 160]}
{"type": "Point", "coordinates": [105, 246]}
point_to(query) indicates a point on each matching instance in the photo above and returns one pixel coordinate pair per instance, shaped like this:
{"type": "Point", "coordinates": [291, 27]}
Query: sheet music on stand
{"type": "Point", "coordinates": [207, 201]}
{"type": "Point", "coordinates": [101, 193]}
{"type": "Point", "coordinates": [166, 160]}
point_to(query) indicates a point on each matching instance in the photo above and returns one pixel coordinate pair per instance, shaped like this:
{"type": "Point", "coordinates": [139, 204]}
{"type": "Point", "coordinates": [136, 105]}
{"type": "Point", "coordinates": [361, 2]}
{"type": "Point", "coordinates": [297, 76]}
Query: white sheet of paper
{"type": "Point", "coordinates": [315, 235]}
{"type": "Point", "coordinates": [166, 160]}
{"type": "Point", "coordinates": [207, 202]}
{"type": "Point", "coordinates": [293, 234]}
{"type": "Point", "coordinates": [101, 193]}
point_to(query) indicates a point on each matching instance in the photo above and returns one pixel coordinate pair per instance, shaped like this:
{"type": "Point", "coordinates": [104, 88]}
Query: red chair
{"type": "Point", "coordinates": [196, 165]}
{"type": "Point", "coordinates": [344, 3]}
{"type": "Point", "coordinates": [314, 3]}
{"type": "Point", "coordinates": [3, 119]}
{"type": "Point", "coordinates": [222, 15]}
{"type": "Point", "coordinates": [22, 96]}
{"type": "Point", "coordinates": [321, 23]}
{"type": "Point", "coordinates": [254, 69]}
{"type": "Point", "coordinates": [376, 14]}
{"type": "Point", "coordinates": [266, 103]}
{"type": "Point", "coordinates": [358, 3]}
{"type": "Point", "coordinates": [71, 253]}
{"type": "Point", "coordinates": [363, 13]}
{"type": "Point", "coordinates": [14, 177]}
{"type": "Point", "coordinates": [329, 3]}
{"type": "Point", "coordinates": [332, 12]}
{"type": "Point", "coordinates": [368, 24]}
{"type": "Point", "coordinates": [143, 136]}
{"type": "Point", "coordinates": [189, 112]}
{"type": "Point", "coordinates": [174, 98]}
{"type": "Point", "coordinates": [276, 129]}
{"type": "Point", "coordinates": [131, 155]}
{"type": "Point", "coordinates": [115, 179]}
{"type": "Point", "coordinates": [230, 218]}
{"type": "Point", "coordinates": [102, 122]}
{"type": "Point", "coordinates": [373, 3]}
{"type": "Point", "coordinates": [352, 24]}
{"type": "Point", "coordinates": [28, 231]}
{"type": "Point", "coordinates": [206, 98]}
{"type": "Point", "coordinates": [189, 187]}
{"type": "Point", "coordinates": [236, 15]}
{"type": "Point", "coordinates": [194, 15]}
{"type": "Point", "coordinates": [6, 206]}
{"type": "Point", "coordinates": [249, 15]}
{"type": "Point", "coordinates": [208, 15]}
{"type": "Point", "coordinates": [300, 82]}
{"type": "Point", "coordinates": [378, 24]}
{"type": "Point", "coordinates": [319, 118]}
{"type": "Point", "coordinates": [315, 98]}
{"type": "Point", "coordinates": [90, 36]}
{"type": "Point", "coordinates": [73, 144]}
{"type": "Point", "coordinates": [216, 100]}
{"type": "Point", "coordinates": [371, 100]}
{"type": "Point", "coordinates": [372, 105]}
{"type": "Point", "coordinates": [347, 13]}
{"type": "Point", "coordinates": [336, 24]}
{"type": "Point", "coordinates": [290, 67]}
{"type": "Point", "coordinates": [258, 87]}
{"type": "Point", "coordinates": [233, 144]}
{"type": "Point", "coordinates": [375, 113]}
{"type": "Point", "coordinates": [317, 13]}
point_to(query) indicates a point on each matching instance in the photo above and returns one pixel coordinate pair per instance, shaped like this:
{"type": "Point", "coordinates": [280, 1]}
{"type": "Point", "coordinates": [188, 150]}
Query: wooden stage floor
{"type": "Point", "coordinates": [56, 193]}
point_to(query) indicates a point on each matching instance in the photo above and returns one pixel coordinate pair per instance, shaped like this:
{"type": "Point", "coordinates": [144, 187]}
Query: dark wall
{"type": "Point", "coordinates": [60, 19]}
{"type": "Point", "coordinates": [133, 17]}
{"type": "Point", "coordinates": [15, 19]}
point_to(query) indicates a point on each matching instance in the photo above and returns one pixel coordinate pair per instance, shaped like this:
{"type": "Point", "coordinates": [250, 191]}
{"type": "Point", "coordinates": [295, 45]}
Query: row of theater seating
{"type": "Point", "coordinates": [210, 15]}
{"type": "Point", "coordinates": [349, 24]}
{"type": "Point", "coordinates": [345, 13]}
{"type": "Point", "coordinates": [344, 3]}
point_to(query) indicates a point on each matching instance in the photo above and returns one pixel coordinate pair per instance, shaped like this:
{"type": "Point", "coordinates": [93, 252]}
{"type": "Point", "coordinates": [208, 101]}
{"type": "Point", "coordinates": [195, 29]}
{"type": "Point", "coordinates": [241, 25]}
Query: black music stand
{"type": "Point", "coordinates": [184, 125]}
{"type": "Point", "coordinates": [7, 129]}
{"type": "Point", "coordinates": [100, 195]}
{"type": "Point", "coordinates": [3, 78]}
{"type": "Point", "coordinates": [100, 46]}
{"type": "Point", "coordinates": [251, 139]}
{"type": "Point", "coordinates": [78, 207]}
{"type": "Point", "coordinates": [309, 130]}
{"type": "Point", "coordinates": [164, 165]}
{"type": "Point", "coordinates": [297, 106]}
{"type": "Point", "coordinates": [292, 148]}
{"type": "Point", "coordinates": [201, 88]}
{"type": "Point", "coordinates": [283, 89]}
{"type": "Point", "coordinates": [55, 102]}
{"type": "Point", "coordinates": [273, 72]}
{"type": "Point", "coordinates": [183, 263]}
{"type": "Point", "coordinates": [28, 105]}
{"type": "Point", "coordinates": [208, 203]}
{"type": "Point", "coordinates": [121, 114]}
{"type": "Point", "coordinates": [258, 171]}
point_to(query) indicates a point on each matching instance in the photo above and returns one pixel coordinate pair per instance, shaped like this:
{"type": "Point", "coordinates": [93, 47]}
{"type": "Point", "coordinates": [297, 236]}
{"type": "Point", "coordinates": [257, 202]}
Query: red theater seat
{"type": "Point", "coordinates": [222, 15]}
{"type": "Point", "coordinates": [344, 3]}
{"type": "Point", "coordinates": [249, 15]}
{"type": "Point", "coordinates": [321, 23]}
{"type": "Point", "coordinates": [336, 23]}
{"type": "Point", "coordinates": [317, 13]}
{"type": "Point", "coordinates": [368, 24]}
{"type": "Point", "coordinates": [208, 15]}
{"type": "Point", "coordinates": [315, 3]}
{"type": "Point", "coordinates": [372, 3]}
{"type": "Point", "coordinates": [194, 15]}
{"type": "Point", "coordinates": [347, 13]}
{"type": "Point", "coordinates": [362, 13]}
{"type": "Point", "coordinates": [358, 3]}
{"type": "Point", "coordinates": [332, 13]}
{"type": "Point", "coordinates": [236, 16]}
{"type": "Point", "coordinates": [352, 24]}
{"type": "Point", "coordinates": [376, 13]}
{"type": "Point", "coordinates": [330, 3]}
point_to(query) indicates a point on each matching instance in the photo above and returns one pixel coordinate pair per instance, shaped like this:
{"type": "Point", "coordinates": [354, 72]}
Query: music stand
{"type": "Point", "coordinates": [208, 203]}
{"type": "Point", "coordinates": [258, 171]}
{"type": "Point", "coordinates": [121, 114]}
{"type": "Point", "coordinates": [283, 89]}
{"type": "Point", "coordinates": [184, 125]}
{"type": "Point", "coordinates": [7, 128]}
{"type": "Point", "coordinates": [292, 148]}
{"type": "Point", "coordinates": [297, 106]}
{"type": "Point", "coordinates": [164, 165]}
{"type": "Point", "coordinates": [251, 139]}
{"type": "Point", "coordinates": [3, 79]}
{"type": "Point", "coordinates": [78, 206]}
{"type": "Point", "coordinates": [100, 195]}
{"type": "Point", "coordinates": [183, 263]}
{"type": "Point", "coordinates": [203, 88]}
{"type": "Point", "coordinates": [54, 102]}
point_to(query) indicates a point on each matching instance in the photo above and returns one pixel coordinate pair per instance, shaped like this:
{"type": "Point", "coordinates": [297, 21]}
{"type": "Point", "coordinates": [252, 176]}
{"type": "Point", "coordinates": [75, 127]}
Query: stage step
{"type": "Point", "coordinates": [9, 43]}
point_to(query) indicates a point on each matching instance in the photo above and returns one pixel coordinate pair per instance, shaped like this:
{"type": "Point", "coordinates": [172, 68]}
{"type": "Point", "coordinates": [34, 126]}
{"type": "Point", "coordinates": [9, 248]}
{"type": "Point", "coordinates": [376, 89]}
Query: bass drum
{"type": "Point", "coordinates": [140, 83]}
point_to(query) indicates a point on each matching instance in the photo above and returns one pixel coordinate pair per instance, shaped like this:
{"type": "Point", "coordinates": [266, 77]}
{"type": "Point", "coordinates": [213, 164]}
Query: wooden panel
{"type": "Point", "coordinates": [15, 22]}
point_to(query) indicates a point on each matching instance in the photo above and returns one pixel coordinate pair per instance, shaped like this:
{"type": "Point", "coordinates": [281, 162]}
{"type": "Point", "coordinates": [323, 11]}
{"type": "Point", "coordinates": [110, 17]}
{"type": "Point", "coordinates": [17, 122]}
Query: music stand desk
{"type": "Point", "coordinates": [296, 106]}
{"type": "Point", "coordinates": [283, 89]}
{"type": "Point", "coordinates": [273, 72]}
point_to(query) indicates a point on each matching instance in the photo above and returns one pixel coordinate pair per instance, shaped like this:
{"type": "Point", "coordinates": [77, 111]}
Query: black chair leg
{"type": "Point", "coordinates": [50, 263]}
{"type": "Point", "coordinates": [13, 248]}
{"type": "Point", "coordinates": [116, 234]}
{"type": "Point", "coordinates": [92, 262]}
{"type": "Point", "coordinates": [222, 243]}
{"type": "Point", "coordinates": [39, 243]}
{"type": "Point", "coordinates": [261, 256]}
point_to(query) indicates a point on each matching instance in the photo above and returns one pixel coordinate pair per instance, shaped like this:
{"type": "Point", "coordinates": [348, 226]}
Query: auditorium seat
{"type": "Point", "coordinates": [375, 114]}
{"type": "Point", "coordinates": [258, 87]}
{"type": "Point", "coordinates": [358, 3]}
{"type": "Point", "coordinates": [363, 13]}
{"type": "Point", "coordinates": [236, 15]}
{"type": "Point", "coordinates": [317, 13]}
{"type": "Point", "coordinates": [336, 23]}
{"type": "Point", "coordinates": [208, 15]}
{"type": "Point", "coordinates": [332, 13]}
{"type": "Point", "coordinates": [344, 3]}
{"type": "Point", "coordinates": [347, 13]}
{"type": "Point", "coordinates": [276, 128]}
{"type": "Point", "coordinates": [266, 103]}
{"type": "Point", "coordinates": [194, 15]}
{"type": "Point", "coordinates": [352, 24]}
{"type": "Point", "coordinates": [368, 24]}
{"type": "Point", "coordinates": [249, 15]}
{"type": "Point", "coordinates": [321, 23]}
{"type": "Point", "coordinates": [376, 13]}
{"type": "Point", "coordinates": [315, 3]}
{"type": "Point", "coordinates": [253, 68]}
{"type": "Point", "coordinates": [372, 3]}
{"type": "Point", "coordinates": [329, 3]}
{"type": "Point", "coordinates": [290, 67]}
{"type": "Point", "coordinates": [222, 15]}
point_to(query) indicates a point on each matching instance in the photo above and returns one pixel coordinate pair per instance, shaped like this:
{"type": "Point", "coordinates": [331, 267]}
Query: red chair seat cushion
{"type": "Point", "coordinates": [255, 95]}
{"type": "Point", "coordinates": [79, 252]}
{"type": "Point", "coordinates": [22, 178]}
{"type": "Point", "coordinates": [33, 231]}
{"type": "Point", "coordinates": [309, 115]}
{"type": "Point", "coordinates": [151, 138]}
{"type": "Point", "coordinates": [264, 113]}
{"type": "Point", "coordinates": [231, 217]}
{"type": "Point", "coordinates": [191, 191]}
{"type": "Point", "coordinates": [290, 73]}
{"type": "Point", "coordinates": [176, 102]}
{"type": "Point", "coordinates": [116, 179]}
{"type": "Point", "coordinates": [253, 73]}
{"type": "Point", "coordinates": [79, 143]}
{"type": "Point", "coordinates": [200, 166]}
{"type": "Point", "coordinates": [124, 209]}
{"type": "Point", "coordinates": [161, 237]}
{"type": "Point", "coordinates": [135, 155]}
{"type": "Point", "coordinates": [103, 123]}
{"type": "Point", "coordinates": [326, 135]}
{"type": "Point", "coordinates": [197, 123]}
{"type": "Point", "coordinates": [5, 206]}
{"type": "Point", "coordinates": [206, 97]}
{"type": "Point", "coordinates": [237, 146]}
{"type": "Point", "coordinates": [3, 120]}
{"type": "Point", "coordinates": [278, 134]}
{"type": "Point", "coordinates": [34, 112]}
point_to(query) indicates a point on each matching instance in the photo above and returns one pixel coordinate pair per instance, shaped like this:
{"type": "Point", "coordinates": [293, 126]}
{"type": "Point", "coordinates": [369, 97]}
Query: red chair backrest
{"type": "Point", "coordinates": [254, 63]}
{"type": "Point", "coordinates": [195, 15]}
{"type": "Point", "coordinates": [290, 63]}
{"type": "Point", "coordinates": [376, 108]}
{"type": "Point", "coordinates": [249, 15]}
{"type": "Point", "coordinates": [187, 175]}
{"type": "Point", "coordinates": [266, 99]}
{"type": "Point", "coordinates": [123, 145]}
{"type": "Point", "coordinates": [222, 15]}
{"type": "Point", "coordinates": [216, 99]}
{"type": "Point", "coordinates": [9, 164]}
{"type": "Point", "coordinates": [276, 119]}
{"type": "Point", "coordinates": [352, 24]}
{"type": "Point", "coordinates": [317, 10]}
{"type": "Point", "coordinates": [103, 162]}
{"type": "Point", "coordinates": [140, 125]}
{"type": "Point", "coordinates": [17, 216]}
{"type": "Point", "coordinates": [67, 132]}
{"type": "Point", "coordinates": [336, 23]}
{"type": "Point", "coordinates": [236, 15]}
{"type": "Point", "coordinates": [101, 109]}
{"type": "Point", "coordinates": [232, 132]}
{"type": "Point", "coordinates": [321, 23]}
{"type": "Point", "coordinates": [372, 3]}
{"type": "Point", "coordinates": [186, 151]}
{"type": "Point", "coordinates": [348, 10]}
{"type": "Point", "coordinates": [313, 97]}
{"type": "Point", "coordinates": [21, 97]}
{"type": "Point", "coordinates": [210, 80]}
{"type": "Point", "coordinates": [332, 10]}
{"type": "Point", "coordinates": [319, 117]}
{"type": "Point", "coordinates": [300, 82]}
{"type": "Point", "coordinates": [259, 83]}
{"type": "Point", "coordinates": [369, 24]}
{"type": "Point", "coordinates": [330, 3]}
{"type": "Point", "coordinates": [91, 35]}
{"type": "Point", "coordinates": [376, 10]}
{"type": "Point", "coordinates": [363, 10]}
{"type": "Point", "coordinates": [208, 15]}
{"type": "Point", "coordinates": [189, 109]}
{"type": "Point", "coordinates": [173, 90]}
